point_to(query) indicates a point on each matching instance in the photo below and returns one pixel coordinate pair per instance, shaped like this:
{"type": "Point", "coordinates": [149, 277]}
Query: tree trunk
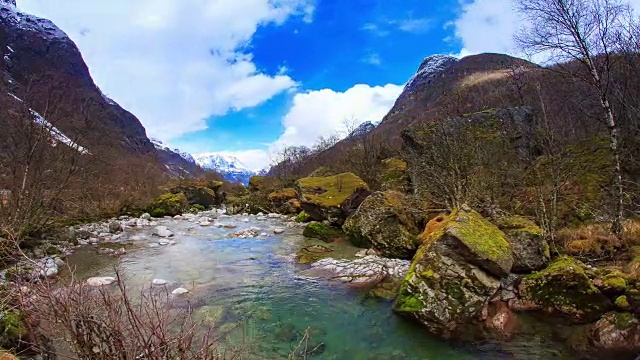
{"type": "Point", "coordinates": [618, 188]}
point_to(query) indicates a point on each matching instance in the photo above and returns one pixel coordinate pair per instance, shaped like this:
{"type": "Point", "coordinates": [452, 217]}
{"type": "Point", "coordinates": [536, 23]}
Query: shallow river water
{"type": "Point", "coordinates": [252, 288]}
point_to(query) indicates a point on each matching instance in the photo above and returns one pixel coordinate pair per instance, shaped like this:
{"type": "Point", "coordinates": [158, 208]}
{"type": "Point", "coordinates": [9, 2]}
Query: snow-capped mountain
{"type": "Point", "coordinates": [159, 145]}
{"type": "Point", "coordinates": [429, 70]}
{"type": "Point", "coordinates": [229, 166]}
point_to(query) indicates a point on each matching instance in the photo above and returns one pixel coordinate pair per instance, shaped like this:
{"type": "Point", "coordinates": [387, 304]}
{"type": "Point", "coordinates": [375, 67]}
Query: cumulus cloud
{"type": "Point", "coordinates": [489, 26]}
{"type": "Point", "coordinates": [174, 63]}
{"type": "Point", "coordinates": [325, 112]}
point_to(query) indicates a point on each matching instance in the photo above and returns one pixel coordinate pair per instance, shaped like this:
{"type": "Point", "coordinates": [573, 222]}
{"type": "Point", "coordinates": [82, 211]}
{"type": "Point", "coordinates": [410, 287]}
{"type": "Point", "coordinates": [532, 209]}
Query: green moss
{"type": "Point", "coordinates": [12, 328]}
{"type": "Point", "coordinates": [52, 250]}
{"type": "Point", "coordinates": [285, 194]}
{"type": "Point", "coordinates": [565, 287]}
{"type": "Point", "coordinates": [622, 302]}
{"type": "Point", "coordinates": [331, 191]}
{"type": "Point", "coordinates": [482, 237]}
{"type": "Point", "coordinates": [169, 205]}
{"type": "Point", "coordinates": [520, 223]}
{"type": "Point", "coordinates": [321, 231]}
{"type": "Point", "coordinates": [623, 320]}
{"type": "Point", "coordinates": [196, 208]}
{"type": "Point", "coordinates": [614, 282]}
{"type": "Point", "coordinates": [303, 217]}
{"type": "Point", "coordinates": [19, 273]}
{"type": "Point", "coordinates": [407, 302]}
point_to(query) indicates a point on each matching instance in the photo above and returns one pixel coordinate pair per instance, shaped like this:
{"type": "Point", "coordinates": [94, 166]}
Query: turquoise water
{"type": "Point", "coordinates": [251, 290]}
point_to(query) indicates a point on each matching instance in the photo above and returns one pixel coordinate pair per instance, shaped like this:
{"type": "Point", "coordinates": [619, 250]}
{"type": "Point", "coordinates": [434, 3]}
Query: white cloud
{"type": "Point", "coordinates": [414, 25]}
{"type": "Point", "coordinates": [174, 63]}
{"type": "Point", "coordinates": [487, 26]}
{"type": "Point", "coordinates": [490, 25]}
{"type": "Point", "coordinates": [325, 112]}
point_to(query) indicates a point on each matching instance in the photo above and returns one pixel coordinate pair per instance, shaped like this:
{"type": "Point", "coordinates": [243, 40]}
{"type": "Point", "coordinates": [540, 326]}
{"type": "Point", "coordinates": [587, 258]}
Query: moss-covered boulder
{"type": "Point", "coordinates": [285, 201]}
{"type": "Point", "coordinates": [563, 288]}
{"type": "Point", "coordinates": [321, 231]}
{"type": "Point", "coordinates": [168, 205]}
{"type": "Point", "coordinates": [455, 272]}
{"type": "Point", "coordinates": [473, 238]}
{"type": "Point", "coordinates": [262, 183]}
{"type": "Point", "coordinates": [394, 175]}
{"type": "Point", "coordinates": [332, 198]}
{"type": "Point", "coordinates": [616, 336]}
{"type": "Point", "coordinates": [199, 192]}
{"type": "Point", "coordinates": [383, 223]}
{"type": "Point", "coordinates": [530, 249]}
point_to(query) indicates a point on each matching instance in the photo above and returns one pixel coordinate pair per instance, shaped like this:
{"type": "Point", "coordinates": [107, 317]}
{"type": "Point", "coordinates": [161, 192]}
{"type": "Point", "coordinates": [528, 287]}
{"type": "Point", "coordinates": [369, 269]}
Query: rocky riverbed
{"type": "Point", "coordinates": [242, 275]}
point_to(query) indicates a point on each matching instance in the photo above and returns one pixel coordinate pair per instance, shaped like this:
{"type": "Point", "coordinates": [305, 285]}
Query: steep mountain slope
{"type": "Point", "coordinates": [43, 67]}
{"type": "Point", "coordinates": [230, 167]}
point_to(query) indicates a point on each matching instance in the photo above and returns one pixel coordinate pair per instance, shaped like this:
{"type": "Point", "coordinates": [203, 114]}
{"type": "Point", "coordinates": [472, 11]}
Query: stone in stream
{"type": "Point", "coordinates": [180, 291]}
{"type": "Point", "coordinates": [115, 227]}
{"type": "Point", "coordinates": [145, 216]}
{"type": "Point", "coordinates": [162, 231]}
{"type": "Point", "coordinates": [368, 270]}
{"type": "Point", "coordinates": [204, 222]}
{"type": "Point", "coordinates": [100, 281]}
{"type": "Point", "coordinates": [278, 231]}
{"type": "Point", "coordinates": [159, 282]}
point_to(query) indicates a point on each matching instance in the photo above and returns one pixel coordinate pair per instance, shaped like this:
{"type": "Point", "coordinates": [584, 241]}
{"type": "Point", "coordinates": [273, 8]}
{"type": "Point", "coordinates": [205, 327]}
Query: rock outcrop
{"type": "Point", "coordinates": [454, 273]}
{"type": "Point", "coordinates": [383, 223]}
{"type": "Point", "coordinates": [332, 198]}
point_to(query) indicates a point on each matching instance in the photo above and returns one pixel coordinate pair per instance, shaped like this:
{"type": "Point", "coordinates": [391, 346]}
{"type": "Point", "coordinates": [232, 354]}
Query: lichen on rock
{"type": "Point", "coordinates": [383, 223]}
{"type": "Point", "coordinates": [530, 249]}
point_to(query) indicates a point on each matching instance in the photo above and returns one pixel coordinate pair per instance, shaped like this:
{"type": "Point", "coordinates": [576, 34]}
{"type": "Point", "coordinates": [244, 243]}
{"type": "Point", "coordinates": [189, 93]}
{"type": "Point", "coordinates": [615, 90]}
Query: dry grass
{"type": "Point", "coordinates": [596, 240]}
{"type": "Point", "coordinates": [486, 76]}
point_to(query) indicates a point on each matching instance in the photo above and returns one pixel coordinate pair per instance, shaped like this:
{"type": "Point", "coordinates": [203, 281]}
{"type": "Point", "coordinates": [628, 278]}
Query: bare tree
{"type": "Point", "coordinates": [583, 31]}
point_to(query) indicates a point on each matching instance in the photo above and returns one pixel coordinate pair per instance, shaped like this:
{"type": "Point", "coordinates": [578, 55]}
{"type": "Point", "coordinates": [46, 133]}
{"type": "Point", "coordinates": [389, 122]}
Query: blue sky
{"type": "Point", "coordinates": [247, 77]}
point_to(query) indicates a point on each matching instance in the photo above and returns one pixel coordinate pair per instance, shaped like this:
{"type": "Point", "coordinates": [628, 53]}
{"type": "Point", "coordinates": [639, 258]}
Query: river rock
{"type": "Point", "coordinates": [100, 281]}
{"type": "Point", "coordinates": [159, 282]}
{"type": "Point", "coordinates": [204, 223]}
{"type": "Point", "coordinates": [278, 231]}
{"type": "Point", "coordinates": [616, 336]}
{"type": "Point", "coordinates": [145, 216]}
{"type": "Point", "coordinates": [180, 291]}
{"type": "Point", "coordinates": [115, 227]}
{"type": "Point", "coordinates": [369, 270]}
{"type": "Point", "coordinates": [162, 231]}
{"type": "Point", "coordinates": [383, 223]}
{"type": "Point", "coordinates": [564, 289]}
{"type": "Point", "coordinates": [530, 249]}
{"type": "Point", "coordinates": [332, 198]}
{"type": "Point", "coordinates": [454, 273]}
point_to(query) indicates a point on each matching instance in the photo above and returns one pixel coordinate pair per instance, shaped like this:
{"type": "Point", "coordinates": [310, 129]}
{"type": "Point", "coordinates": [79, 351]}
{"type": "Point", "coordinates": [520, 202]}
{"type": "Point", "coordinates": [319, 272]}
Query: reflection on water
{"type": "Point", "coordinates": [250, 290]}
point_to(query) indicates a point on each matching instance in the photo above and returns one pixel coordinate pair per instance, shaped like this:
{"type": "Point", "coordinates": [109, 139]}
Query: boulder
{"type": "Point", "coordinates": [115, 227]}
{"type": "Point", "coordinates": [321, 231]}
{"type": "Point", "coordinates": [169, 205]}
{"type": "Point", "coordinates": [180, 291]}
{"type": "Point", "coordinates": [455, 272]}
{"type": "Point", "coordinates": [616, 335]}
{"type": "Point", "coordinates": [382, 223]}
{"type": "Point", "coordinates": [564, 288]}
{"type": "Point", "coordinates": [332, 198]}
{"type": "Point", "coordinates": [162, 231]}
{"type": "Point", "coordinates": [199, 192]}
{"type": "Point", "coordinates": [285, 201]}
{"type": "Point", "coordinates": [530, 249]}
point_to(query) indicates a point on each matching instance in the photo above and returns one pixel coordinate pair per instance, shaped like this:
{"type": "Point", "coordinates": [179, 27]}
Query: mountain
{"type": "Point", "coordinates": [230, 167]}
{"type": "Point", "coordinates": [177, 162]}
{"type": "Point", "coordinates": [43, 70]}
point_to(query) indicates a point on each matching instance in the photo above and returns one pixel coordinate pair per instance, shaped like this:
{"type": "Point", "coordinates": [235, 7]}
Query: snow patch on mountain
{"type": "Point", "coordinates": [158, 144]}
{"type": "Point", "coordinates": [43, 27]}
{"type": "Point", "coordinates": [56, 135]}
{"type": "Point", "coordinates": [229, 166]}
{"type": "Point", "coordinates": [430, 68]}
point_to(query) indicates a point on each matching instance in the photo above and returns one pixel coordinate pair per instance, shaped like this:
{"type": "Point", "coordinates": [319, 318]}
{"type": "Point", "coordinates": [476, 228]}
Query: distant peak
{"type": "Point", "coordinates": [8, 2]}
